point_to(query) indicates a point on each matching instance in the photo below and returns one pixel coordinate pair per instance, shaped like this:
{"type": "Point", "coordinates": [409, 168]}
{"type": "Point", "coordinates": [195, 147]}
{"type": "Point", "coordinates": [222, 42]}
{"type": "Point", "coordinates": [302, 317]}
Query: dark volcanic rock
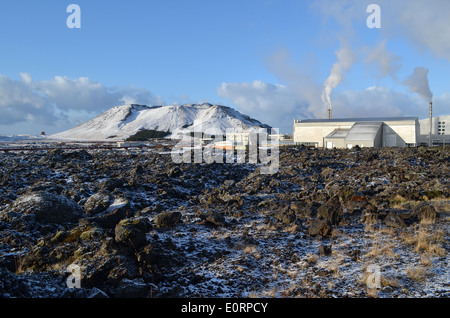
{"type": "Point", "coordinates": [369, 213]}
{"type": "Point", "coordinates": [136, 288]}
{"type": "Point", "coordinates": [266, 219]}
{"type": "Point", "coordinates": [324, 250]}
{"type": "Point", "coordinates": [48, 207]}
{"type": "Point", "coordinates": [132, 231]}
{"type": "Point", "coordinates": [112, 215]}
{"type": "Point", "coordinates": [302, 209]}
{"type": "Point", "coordinates": [394, 220]}
{"type": "Point", "coordinates": [167, 219]}
{"type": "Point", "coordinates": [96, 274]}
{"type": "Point", "coordinates": [320, 227]}
{"type": "Point", "coordinates": [36, 260]}
{"type": "Point", "coordinates": [98, 202]}
{"type": "Point", "coordinates": [424, 212]}
{"type": "Point", "coordinates": [213, 218]}
{"type": "Point", "coordinates": [331, 210]}
{"type": "Point", "coordinates": [285, 215]}
{"type": "Point", "coordinates": [111, 184]}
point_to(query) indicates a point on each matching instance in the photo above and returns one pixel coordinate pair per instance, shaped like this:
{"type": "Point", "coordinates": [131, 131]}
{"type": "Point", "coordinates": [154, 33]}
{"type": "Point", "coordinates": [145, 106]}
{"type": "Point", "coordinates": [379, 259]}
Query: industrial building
{"type": "Point", "coordinates": [440, 130]}
{"type": "Point", "coordinates": [364, 132]}
{"type": "Point", "coordinates": [372, 132]}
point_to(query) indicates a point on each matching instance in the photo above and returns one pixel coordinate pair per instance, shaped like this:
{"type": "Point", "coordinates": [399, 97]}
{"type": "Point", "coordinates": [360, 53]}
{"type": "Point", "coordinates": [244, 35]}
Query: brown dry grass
{"type": "Point", "coordinates": [383, 246]}
{"type": "Point", "coordinates": [385, 250]}
{"type": "Point", "coordinates": [312, 258]}
{"type": "Point", "coordinates": [427, 239]}
{"type": "Point", "coordinates": [253, 250]}
{"type": "Point", "coordinates": [417, 273]}
{"type": "Point", "coordinates": [384, 282]}
{"type": "Point", "coordinates": [442, 203]}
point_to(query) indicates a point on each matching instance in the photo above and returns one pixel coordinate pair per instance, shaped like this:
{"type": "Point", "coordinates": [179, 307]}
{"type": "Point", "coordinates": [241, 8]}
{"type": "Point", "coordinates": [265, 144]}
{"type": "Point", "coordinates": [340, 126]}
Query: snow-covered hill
{"type": "Point", "coordinates": [123, 121]}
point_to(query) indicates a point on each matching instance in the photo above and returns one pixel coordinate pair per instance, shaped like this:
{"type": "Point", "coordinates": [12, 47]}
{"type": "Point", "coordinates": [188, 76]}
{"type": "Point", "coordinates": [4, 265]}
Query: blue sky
{"type": "Point", "coordinates": [266, 58]}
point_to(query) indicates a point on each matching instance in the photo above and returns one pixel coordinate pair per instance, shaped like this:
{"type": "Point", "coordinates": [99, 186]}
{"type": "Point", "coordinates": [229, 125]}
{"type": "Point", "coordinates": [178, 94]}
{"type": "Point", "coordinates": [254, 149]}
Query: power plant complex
{"type": "Point", "coordinates": [372, 132]}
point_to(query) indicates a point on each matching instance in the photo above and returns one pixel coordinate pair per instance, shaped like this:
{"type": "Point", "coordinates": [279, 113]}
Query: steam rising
{"type": "Point", "coordinates": [418, 82]}
{"type": "Point", "coordinates": [345, 59]}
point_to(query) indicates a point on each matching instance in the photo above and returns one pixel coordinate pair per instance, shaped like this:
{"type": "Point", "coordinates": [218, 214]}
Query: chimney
{"type": "Point", "coordinates": [431, 121]}
{"type": "Point", "coordinates": [329, 112]}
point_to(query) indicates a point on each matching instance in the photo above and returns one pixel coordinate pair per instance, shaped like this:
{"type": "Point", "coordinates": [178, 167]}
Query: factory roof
{"type": "Point", "coordinates": [364, 130]}
{"type": "Point", "coordinates": [372, 119]}
{"type": "Point", "coordinates": [338, 133]}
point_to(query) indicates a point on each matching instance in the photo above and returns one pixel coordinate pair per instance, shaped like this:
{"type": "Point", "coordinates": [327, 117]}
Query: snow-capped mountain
{"type": "Point", "coordinates": [123, 121]}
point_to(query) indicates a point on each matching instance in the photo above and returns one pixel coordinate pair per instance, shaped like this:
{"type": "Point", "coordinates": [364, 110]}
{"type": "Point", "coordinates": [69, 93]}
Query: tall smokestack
{"type": "Point", "coordinates": [431, 121]}
{"type": "Point", "coordinates": [329, 112]}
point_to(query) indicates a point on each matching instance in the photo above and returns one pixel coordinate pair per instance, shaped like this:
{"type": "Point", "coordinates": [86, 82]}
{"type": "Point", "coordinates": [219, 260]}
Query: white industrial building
{"type": "Point", "coordinates": [364, 132]}
{"type": "Point", "coordinates": [372, 132]}
{"type": "Point", "coordinates": [440, 130]}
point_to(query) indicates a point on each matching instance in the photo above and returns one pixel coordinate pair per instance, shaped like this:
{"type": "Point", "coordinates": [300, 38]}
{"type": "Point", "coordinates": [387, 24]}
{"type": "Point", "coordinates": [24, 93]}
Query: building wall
{"type": "Point", "coordinates": [440, 133]}
{"type": "Point", "coordinates": [395, 133]}
{"type": "Point", "coordinates": [435, 140]}
{"type": "Point", "coordinates": [437, 124]}
{"type": "Point", "coordinates": [376, 142]}
{"type": "Point", "coordinates": [407, 132]}
{"type": "Point", "coordinates": [335, 142]}
{"type": "Point", "coordinates": [316, 132]}
{"type": "Point", "coordinates": [360, 143]}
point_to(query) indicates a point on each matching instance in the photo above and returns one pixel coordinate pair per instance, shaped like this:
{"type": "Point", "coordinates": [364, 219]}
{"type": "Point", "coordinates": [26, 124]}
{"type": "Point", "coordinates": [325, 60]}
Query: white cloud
{"type": "Point", "coordinates": [273, 104]}
{"type": "Point", "coordinates": [278, 106]}
{"type": "Point", "coordinates": [383, 62]}
{"type": "Point", "coordinates": [85, 94]}
{"type": "Point", "coordinates": [297, 95]}
{"type": "Point", "coordinates": [374, 102]}
{"type": "Point", "coordinates": [425, 23]}
{"type": "Point", "coordinates": [26, 78]}
{"type": "Point", "coordinates": [346, 13]}
{"type": "Point", "coordinates": [385, 102]}
{"type": "Point", "coordinates": [18, 102]}
{"type": "Point", "coordinates": [60, 103]}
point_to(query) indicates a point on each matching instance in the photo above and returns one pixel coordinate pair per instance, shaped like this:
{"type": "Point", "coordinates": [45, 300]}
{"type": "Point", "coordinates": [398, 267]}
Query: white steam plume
{"type": "Point", "coordinates": [418, 82]}
{"type": "Point", "coordinates": [345, 59]}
